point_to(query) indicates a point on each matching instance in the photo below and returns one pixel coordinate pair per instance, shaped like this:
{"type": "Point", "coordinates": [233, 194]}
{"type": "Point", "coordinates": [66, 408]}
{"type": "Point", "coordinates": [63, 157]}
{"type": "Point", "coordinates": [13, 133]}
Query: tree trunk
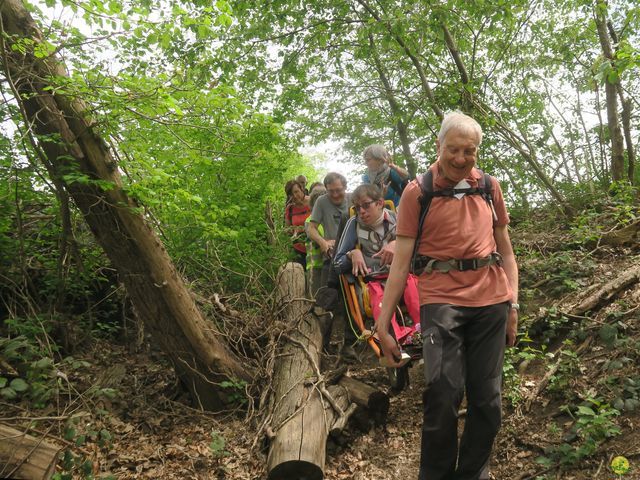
{"type": "Point", "coordinates": [615, 132]}
{"type": "Point", "coordinates": [373, 403]}
{"type": "Point", "coordinates": [607, 291]}
{"type": "Point", "coordinates": [303, 409]}
{"type": "Point", "coordinates": [69, 139]}
{"type": "Point", "coordinates": [396, 111]}
{"type": "Point", "coordinates": [628, 134]}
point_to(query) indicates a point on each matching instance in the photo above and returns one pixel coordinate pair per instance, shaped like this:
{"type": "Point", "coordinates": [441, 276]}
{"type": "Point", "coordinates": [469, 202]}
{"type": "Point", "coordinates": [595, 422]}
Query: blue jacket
{"type": "Point", "coordinates": [370, 243]}
{"type": "Point", "coordinates": [391, 193]}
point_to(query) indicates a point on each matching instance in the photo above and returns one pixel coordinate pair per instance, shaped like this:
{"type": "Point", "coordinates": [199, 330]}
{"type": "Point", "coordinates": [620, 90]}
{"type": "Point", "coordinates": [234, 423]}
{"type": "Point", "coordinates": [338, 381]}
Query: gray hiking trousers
{"type": "Point", "coordinates": [463, 349]}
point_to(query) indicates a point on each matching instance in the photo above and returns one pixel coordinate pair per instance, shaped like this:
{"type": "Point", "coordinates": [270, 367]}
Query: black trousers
{"type": "Point", "coordinates": [463, 349]}
{"type": "Point", "coordinates": [330, 279]}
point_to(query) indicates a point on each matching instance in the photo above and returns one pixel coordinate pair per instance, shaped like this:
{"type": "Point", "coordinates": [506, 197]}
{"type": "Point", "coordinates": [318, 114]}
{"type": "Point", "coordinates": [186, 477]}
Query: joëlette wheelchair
{"type": "Point", "coordinates": [360, 315]}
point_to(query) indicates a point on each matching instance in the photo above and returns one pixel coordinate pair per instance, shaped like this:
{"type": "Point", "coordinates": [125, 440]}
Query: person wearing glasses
{"type": "Point", "coordinates": [366, 248]}
{"type": "Point", "coordinates": [329, 210]}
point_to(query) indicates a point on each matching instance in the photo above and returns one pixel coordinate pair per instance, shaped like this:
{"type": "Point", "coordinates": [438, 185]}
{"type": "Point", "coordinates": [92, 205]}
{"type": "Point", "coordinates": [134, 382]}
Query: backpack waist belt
{"type": "Point", "coordinates": [427, 264]}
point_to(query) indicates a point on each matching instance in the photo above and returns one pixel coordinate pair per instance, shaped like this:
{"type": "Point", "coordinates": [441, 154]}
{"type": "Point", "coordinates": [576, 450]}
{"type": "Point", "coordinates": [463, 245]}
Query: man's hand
{"type": "Point", "coordinates": [327, 247]}
{"type": "Point", "coordinates": [512, 327]}
{"type": "Point", "coordinates": [358, 265]}
{"type": "Point", "coordinates": [390, 349]}
{"type": "Point", "coordinates": [386, 253]}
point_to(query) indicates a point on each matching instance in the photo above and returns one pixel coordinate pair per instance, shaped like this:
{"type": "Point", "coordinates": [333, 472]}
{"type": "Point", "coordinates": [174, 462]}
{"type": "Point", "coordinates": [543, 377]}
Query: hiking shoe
{"type": "Point", "coordinates": [348, 354]}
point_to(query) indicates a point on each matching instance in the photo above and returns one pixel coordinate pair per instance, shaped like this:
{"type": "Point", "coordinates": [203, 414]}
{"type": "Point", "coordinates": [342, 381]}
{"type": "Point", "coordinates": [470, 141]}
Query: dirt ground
{"type": "Point", "coordinates": [123, 415]}
{"type": "Point", "coordinates": [157, 436]}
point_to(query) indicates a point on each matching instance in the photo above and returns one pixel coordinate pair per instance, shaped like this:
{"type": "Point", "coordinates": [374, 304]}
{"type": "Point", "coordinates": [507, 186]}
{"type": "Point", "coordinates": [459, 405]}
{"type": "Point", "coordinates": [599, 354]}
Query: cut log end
{"type": "Point", "coordinates": [296, 470]}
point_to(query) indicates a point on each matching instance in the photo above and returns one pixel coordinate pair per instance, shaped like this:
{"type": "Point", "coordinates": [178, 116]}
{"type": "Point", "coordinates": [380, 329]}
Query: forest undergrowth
{"type": "Point", "coordinates": [112, 404]}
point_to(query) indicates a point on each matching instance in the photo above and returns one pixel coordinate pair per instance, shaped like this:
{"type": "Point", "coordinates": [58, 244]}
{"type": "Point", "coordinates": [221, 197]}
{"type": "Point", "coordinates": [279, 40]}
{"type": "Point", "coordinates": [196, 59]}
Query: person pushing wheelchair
{"type": "Point", "coordinates": [468, 297]}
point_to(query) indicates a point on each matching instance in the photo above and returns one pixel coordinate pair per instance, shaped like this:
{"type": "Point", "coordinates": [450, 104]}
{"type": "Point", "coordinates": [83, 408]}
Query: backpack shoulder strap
{"type": "Point", "coordinates": [290, 212]}
{"type": "Point", "coordinates": [398, 186]}
{"type": "Point", "coordinates": [485, 185]}
{"type": "Point", "coordinates": [426, 188]}
{"type": "Point", "coordinates": [485, 189]}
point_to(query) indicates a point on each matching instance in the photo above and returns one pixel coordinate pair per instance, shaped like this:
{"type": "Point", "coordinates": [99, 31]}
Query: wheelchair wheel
{"type": "Point", "coordinates": [398, 377]}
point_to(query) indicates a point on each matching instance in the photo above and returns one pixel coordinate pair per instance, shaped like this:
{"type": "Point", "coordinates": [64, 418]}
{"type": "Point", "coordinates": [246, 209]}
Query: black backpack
{"type": "Point", "coordinates": [484, 188]}
{"type": "Point", "coordinates": [398, 187]}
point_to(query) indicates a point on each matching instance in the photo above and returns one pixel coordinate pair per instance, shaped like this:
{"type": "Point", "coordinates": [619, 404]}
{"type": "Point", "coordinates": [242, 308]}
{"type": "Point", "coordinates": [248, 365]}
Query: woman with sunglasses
{"type": "Point", "coordinates": [366, 248]}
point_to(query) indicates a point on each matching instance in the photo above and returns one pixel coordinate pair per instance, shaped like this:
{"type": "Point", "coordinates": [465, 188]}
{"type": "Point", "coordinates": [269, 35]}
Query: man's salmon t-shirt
{"type": "Point", "coordinates": [457, 228]}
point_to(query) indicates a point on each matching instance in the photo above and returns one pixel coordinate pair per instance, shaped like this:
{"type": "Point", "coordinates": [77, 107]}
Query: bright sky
{"type": "Point", "coordinates": [330, 157]}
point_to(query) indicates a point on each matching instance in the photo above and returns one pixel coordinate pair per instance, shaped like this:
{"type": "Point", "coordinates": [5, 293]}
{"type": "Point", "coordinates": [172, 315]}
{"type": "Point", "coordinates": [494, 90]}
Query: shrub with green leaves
{"type": "Point", "coordinates": [593, 424]}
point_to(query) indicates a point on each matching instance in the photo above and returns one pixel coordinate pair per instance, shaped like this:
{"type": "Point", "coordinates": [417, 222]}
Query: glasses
{"type": "Point", "coordinates": [336, 190]}
{"type": "Point", "coordinates": [364, 205]}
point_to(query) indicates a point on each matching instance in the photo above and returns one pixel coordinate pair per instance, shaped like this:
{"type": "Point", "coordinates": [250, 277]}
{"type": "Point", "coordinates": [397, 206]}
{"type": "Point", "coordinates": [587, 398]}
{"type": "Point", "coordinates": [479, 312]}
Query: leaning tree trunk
{"type": "Point", "coordinates": [396, 111]}
{"type": "Point", "coordinates": [73, 147]}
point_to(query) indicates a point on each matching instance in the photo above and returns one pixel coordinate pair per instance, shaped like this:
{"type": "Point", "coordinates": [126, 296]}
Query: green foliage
{"type": "Point", "coordinates": [526, 351]}
{"type": "Point", "coordinates": [34, 375]}
{"type": "Point", "coordinates": [86, 436]}
{"type": "Point", "coordinates": [510, 378]}
{"type": "Point", "coordinates": [558, 273]}
{"type": "Point", "coordinates": [569, 363]}
{"type": "Point", "coordinates": [593, 424]}
{"type": "Point", "coordinates": [218, 445]}
{"type": "Point", "coordinates": [236, 391]}
{"type": "Point", "coordinates": [627, 393]}
{"type": "Point", "coordinates": [602, 213]}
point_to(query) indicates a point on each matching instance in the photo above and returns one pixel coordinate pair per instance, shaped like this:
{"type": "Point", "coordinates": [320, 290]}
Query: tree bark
{"type": "Point", "coordinates": [608, 290]}
{"type": "Point", "coordinates": [25, 456]}
{"type": "Point", "coordinates": [373, 403]}
{"type": "Point", "coordinates": [628, 134]}
{"type": "Point", "coordinates": [70, 141]}
{"type": "Point", "coordinates": [615, 132]}
{"type": "Point", "coordinates": [396, 111]}
{"type": "Point", "coordinates": [301, 420]}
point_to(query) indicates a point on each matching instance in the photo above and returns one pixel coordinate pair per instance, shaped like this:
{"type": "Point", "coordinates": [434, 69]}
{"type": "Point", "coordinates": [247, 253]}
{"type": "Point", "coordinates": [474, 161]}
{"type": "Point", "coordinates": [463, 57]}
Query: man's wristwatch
{"type": "Point", "coordinates": [515, 306]}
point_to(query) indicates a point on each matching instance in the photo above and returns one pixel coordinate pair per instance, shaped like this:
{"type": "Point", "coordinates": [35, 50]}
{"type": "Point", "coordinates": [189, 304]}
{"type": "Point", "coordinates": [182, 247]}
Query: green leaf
{"type": "Point", "coordinates": [43, 364]}
{"type": "Point", "coordinates": [582, 410]}
{"type": "Point", "coordinates": [69, 433]}
{"type": "Point", "coordinates": [8, 393]}
{"type": "Point", "coordinates": [19, 385]}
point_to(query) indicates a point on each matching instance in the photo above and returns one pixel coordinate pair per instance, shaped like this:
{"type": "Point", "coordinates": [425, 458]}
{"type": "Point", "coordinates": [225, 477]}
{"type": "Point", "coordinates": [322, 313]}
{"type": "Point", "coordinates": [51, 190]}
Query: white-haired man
{"type": "Point", "coordinates": [468, 298]}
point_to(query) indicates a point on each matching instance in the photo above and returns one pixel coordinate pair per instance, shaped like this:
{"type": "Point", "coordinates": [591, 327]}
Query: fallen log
{"type": "Point", "coordinates": [24, 456]}
{"type": "Point", "coordinates": [373, 403]}
{"type": "Point", "coordinates": [303, 409]}
{"type": "Point", "coordinates": [608, 290]}
{"type": "Point", "coordinates": [342, 398]}
{"type": "Point", "coordinates": [593, 301]}
{"type": "Point", "coordinates": [628, 235]}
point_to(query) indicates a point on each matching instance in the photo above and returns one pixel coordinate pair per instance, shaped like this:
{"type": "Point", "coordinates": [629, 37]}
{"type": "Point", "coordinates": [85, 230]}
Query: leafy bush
{"type": "Point", "coordinates": [593, 425]}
